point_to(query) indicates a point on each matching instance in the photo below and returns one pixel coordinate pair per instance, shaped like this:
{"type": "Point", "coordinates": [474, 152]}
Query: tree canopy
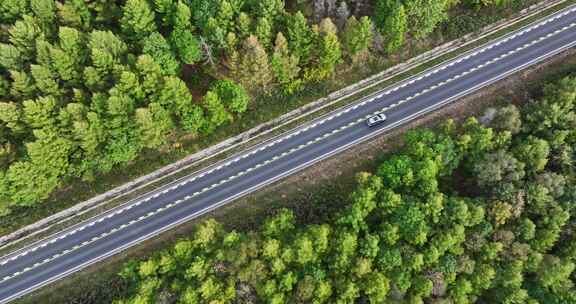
{"type": "Point", "coordinates": [456, 215]}
{"type": "Point", "coordinates": [109, 79]}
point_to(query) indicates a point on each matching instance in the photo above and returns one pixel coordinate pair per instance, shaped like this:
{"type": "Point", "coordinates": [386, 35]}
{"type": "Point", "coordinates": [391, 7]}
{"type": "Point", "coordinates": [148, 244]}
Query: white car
{"type": "Point", "coordinates": [376, 119]}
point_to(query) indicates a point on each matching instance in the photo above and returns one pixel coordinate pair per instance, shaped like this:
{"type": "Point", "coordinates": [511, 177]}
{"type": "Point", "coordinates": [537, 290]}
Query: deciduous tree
{"type": "Point", "coordinates": [498, 167]}
{"type": "Point", "coordinates": [507, 119]}
{"type": "Point", "coordinates": [533, 152]}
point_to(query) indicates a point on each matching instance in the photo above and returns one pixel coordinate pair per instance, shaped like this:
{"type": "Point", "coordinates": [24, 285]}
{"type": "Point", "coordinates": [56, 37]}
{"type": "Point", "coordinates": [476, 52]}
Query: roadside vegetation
{"type": "Point", "coordinates": [475, 212]}
{"type": "Point", "coordinates": [87, 88]}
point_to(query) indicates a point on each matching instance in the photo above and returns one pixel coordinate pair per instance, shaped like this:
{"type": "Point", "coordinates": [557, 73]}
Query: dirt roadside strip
{"type": "Point", "coordinates": [259, 133]}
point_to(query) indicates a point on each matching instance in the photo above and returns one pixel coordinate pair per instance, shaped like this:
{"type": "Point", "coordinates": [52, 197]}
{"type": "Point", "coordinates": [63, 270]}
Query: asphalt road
{"type": "Point", "coordinates": [77, 247]}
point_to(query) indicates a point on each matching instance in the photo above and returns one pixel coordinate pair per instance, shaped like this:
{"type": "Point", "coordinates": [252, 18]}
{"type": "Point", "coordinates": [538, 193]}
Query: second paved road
{"type": "Point", "coordinates": [105, 235]}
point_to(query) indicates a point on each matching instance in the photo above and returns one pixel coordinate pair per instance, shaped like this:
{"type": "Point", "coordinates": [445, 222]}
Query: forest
{"type": "Point", "coordinates": [87, 86]}
{"type": "Point", "coordinates": [475, 212]}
